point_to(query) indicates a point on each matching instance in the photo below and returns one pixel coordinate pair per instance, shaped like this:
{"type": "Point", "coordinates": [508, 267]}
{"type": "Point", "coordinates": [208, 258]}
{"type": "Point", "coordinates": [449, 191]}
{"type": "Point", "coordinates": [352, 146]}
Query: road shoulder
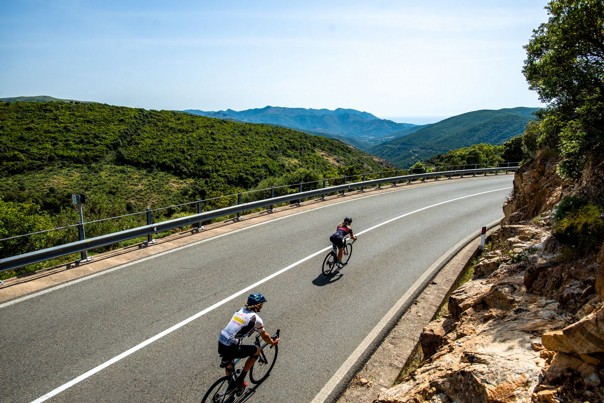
{"type": "Point", "coordinates": [384, 366]}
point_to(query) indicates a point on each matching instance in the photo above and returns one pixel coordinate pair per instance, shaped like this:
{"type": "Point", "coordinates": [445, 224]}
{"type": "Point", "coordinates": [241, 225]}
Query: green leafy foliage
{"type": "Point", "coordinates": [565, 65]}
{"type": "Point", "coordinates": [579, 224]}
{"type": "Point", "coordinates": [22, 218]}
{"type": "Point", "coordinates": [471, 157]}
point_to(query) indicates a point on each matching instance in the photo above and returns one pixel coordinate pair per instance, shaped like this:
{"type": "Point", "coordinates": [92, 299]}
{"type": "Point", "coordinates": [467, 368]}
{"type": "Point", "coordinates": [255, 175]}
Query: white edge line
{"type": "Point", "coordinates": [332, 384]}
{"type": "Point", "coordinates": [177, 326]}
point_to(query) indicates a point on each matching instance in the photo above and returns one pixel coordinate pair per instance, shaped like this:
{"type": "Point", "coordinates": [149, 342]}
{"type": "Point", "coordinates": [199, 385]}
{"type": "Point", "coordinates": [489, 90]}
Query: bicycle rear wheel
{"type": "Point", "coordinates": [217, 392]}
{"type": "Point", "coordinates": [347, 253]}
{"type": "Point", "coordinates": [329, 264]}
{"type": "Point", "coordinates": [265, 363]}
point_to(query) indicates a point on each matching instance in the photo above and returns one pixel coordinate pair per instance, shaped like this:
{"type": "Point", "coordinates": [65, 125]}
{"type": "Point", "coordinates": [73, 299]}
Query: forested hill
{"type": "Point", "coordinates": [361, 129]}
{"type": "Point", "coordinates": [128, 159]}
{"type": "Point", "coordinates": [484, 126]}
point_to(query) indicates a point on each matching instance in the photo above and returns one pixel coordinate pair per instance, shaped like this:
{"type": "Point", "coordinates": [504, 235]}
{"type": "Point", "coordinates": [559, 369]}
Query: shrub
{"type": "Point", "coordinates": [579, 224]}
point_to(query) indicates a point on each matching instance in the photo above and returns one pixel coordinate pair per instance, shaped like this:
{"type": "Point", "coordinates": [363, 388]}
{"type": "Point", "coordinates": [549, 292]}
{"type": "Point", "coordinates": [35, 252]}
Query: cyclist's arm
{"type": "Point", "coordinates": [267, 338]}
{"type": "Point", "coordinates": [354, 238]}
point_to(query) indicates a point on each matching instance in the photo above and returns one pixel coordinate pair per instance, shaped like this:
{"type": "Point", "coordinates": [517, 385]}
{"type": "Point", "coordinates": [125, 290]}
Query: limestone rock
{"type": "Point", "coordinates": [583, 337]}
{"type": "Point", "coordinates": [510, 336]}
{"type": "Point", "coordinates": [467, 296]}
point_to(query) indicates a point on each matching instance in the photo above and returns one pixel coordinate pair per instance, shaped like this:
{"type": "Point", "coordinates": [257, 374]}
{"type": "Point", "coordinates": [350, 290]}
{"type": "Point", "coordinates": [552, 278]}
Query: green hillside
{"type": "Point", "coordinates": [479, 127]}
{"type": "Point", "coordinates": [127, 160]}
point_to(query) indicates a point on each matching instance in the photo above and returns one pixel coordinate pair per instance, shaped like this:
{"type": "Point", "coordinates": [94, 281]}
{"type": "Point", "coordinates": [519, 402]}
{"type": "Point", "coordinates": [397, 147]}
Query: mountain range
{"type": "Point", "coordinates": [360, 129]}
{"type": "Point", "coordinates": [403, 144]}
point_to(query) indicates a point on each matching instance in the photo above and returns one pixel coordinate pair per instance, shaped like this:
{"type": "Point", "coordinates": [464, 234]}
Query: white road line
{"type": "Point", "coordinates": [331, 385]}
{"type": "Point", "coordinates": [237, 294]}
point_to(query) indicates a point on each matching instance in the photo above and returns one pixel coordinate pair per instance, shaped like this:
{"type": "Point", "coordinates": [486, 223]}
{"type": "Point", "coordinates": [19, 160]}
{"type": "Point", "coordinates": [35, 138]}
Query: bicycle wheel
{"type": "Point", "coordinates": [217, 392]}
{"type": "Point", "coordinates": [329, 263]}
{"type": "Point", "coordinates": [347, 253]}
{"type": "Point", "coordinates": [265, 363]}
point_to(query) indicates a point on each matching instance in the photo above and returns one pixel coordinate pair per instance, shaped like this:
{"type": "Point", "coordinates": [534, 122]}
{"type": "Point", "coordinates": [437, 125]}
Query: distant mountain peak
{"type": "Point", "coordinates": [361, 129]}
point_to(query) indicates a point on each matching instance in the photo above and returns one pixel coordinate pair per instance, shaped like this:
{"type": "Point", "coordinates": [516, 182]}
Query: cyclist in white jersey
{"type": "Point", "coordinates": [243, 323]}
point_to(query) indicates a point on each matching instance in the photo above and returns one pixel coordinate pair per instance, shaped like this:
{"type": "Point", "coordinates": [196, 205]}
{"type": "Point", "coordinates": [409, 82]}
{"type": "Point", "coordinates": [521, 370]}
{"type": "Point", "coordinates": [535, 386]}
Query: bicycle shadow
{"type": "Point", "coordinates": [323, 280]}
{"type": "Point", "coordinates": [249, 392]}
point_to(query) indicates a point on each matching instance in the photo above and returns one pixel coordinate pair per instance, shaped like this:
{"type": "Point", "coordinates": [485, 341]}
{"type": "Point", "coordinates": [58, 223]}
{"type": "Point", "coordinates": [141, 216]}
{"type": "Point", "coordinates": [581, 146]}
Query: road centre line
{"type": "Point", "coordinates": [205, 311]}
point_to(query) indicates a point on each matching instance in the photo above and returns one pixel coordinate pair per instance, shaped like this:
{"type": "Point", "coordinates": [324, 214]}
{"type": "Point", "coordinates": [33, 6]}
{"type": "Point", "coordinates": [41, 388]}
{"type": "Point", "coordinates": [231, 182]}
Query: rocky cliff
{"type": "Point", "coordinates": [529, 326]}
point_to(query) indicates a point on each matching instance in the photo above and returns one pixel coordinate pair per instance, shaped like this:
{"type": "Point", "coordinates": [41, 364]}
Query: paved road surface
{"type": "Point", "coordinates": [148, 332]}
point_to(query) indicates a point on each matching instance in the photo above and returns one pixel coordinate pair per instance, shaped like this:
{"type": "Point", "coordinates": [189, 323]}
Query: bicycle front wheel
{"type": "Point", "coordinates": [265, 363]}
{"type": "Point", "coordinates": [329, 263]}
{"type": "Point", "coordinates": [347, 253]}
{"type": "Point", "coordinates": [217, 392]}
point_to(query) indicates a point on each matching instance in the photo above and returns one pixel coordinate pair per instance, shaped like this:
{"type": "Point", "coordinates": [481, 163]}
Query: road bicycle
{"type": "Point", "coordinates": [331, 264]}
{"type": "Point", "coordinates": [224, 389]}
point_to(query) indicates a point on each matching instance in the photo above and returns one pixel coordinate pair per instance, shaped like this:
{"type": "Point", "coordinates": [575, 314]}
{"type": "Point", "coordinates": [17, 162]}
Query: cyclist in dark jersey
{"type": "Point", "coordinates": [337, 238]}
{"type": "Point", "coordinates": [243, 323]}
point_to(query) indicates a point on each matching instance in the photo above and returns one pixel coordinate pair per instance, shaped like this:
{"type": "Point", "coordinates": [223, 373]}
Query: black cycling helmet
{"type": "Point", "coordinates": [347, 220]}
{"type": "Point", "coordinates": [255, 299]}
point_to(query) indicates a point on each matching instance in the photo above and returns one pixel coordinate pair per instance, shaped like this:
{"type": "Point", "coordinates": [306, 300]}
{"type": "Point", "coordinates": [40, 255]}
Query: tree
{"type": "Point", "coordinates": [19, 219]}
{"type": "Point", "coordinates": [565, 65]}
{"type": "Point", "coordinates": [512, 151]}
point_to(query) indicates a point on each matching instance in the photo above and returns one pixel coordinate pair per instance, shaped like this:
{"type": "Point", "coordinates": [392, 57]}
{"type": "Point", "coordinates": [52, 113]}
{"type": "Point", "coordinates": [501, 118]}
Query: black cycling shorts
{"type": "Point", "coordinates": [236, 350]}
{"type": "Point", "coordinates": [337, 240]}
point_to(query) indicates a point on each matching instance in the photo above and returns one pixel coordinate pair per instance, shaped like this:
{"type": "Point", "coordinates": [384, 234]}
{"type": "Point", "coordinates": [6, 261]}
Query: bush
{"type": "Point", "coordinates": [579, 224]}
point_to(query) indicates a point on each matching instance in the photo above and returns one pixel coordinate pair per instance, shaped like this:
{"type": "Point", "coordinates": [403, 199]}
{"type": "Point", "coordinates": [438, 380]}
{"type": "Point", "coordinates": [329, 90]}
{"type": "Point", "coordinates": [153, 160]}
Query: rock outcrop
{"type": "Point", "coordinates": [529, 326]}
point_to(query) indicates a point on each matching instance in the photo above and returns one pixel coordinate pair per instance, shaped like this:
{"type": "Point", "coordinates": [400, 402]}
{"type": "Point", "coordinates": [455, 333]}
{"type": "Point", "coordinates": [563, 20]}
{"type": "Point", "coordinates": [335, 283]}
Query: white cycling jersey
{"type": "Point", "coordinates": [242, 324]}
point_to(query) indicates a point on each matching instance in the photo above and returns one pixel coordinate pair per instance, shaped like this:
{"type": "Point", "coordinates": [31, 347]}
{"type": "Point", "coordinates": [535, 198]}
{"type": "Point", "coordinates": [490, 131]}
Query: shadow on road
{"type": "Point", "coordinates": [322, 280]}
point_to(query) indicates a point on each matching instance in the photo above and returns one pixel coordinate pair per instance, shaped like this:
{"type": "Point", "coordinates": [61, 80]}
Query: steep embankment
{"type": "Point", "coordinates": [529, 326]}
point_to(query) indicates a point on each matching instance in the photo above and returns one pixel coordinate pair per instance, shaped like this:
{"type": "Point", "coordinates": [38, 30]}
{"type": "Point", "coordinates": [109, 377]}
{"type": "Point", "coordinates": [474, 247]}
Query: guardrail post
{"type": "Point", "coordinates": [324, 186]}
{"type": "Point", "coordinates": [299, 191]}
{"type": "Point", "coordinates": [270, 208]}
{"type": "Point", "coordinates": [79, 199]}
{"type": "Point", "coordinates": [239, 199]}
{"type": "Point", "coordinates": [343, 183]}
{"type": "Point", "coordinates": [198, 226]}
{"type": "Point", "coordinates": [82, 236]}
{"type": "Point", "coordinates": [149, 222]}
{"type": "Point", "coordinates": [363, 180]}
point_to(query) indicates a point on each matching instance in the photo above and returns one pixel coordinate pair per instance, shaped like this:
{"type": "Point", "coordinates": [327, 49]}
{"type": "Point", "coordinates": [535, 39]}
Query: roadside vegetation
{"type": "Point", "coordinates": [477, 155]}
{"type": "Point", "coordinates": [127, 160]}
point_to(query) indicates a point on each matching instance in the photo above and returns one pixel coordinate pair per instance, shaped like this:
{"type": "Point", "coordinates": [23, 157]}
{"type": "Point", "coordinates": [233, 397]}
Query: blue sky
{"type": "Point", "coordinates": [416, 61]}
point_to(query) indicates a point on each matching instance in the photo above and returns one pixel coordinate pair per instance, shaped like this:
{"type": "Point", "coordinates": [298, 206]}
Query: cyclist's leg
{"type": "Point", "coordinates": [251, 360]}
{"type": "Point", "coordinates": [226, 357]}
{"type": "Point", "coordinates": [250, 351]}
{"type": "Point", "coordinates": [339, 242]}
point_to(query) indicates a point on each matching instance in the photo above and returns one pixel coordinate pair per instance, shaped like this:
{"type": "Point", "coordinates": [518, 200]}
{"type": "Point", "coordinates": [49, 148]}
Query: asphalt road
{"type": "Point", "coordinates": [148, 331]}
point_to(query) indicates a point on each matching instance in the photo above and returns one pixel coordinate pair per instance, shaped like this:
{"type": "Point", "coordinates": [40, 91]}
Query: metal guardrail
{"type": "Point", "coordinates": [148, 231]}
